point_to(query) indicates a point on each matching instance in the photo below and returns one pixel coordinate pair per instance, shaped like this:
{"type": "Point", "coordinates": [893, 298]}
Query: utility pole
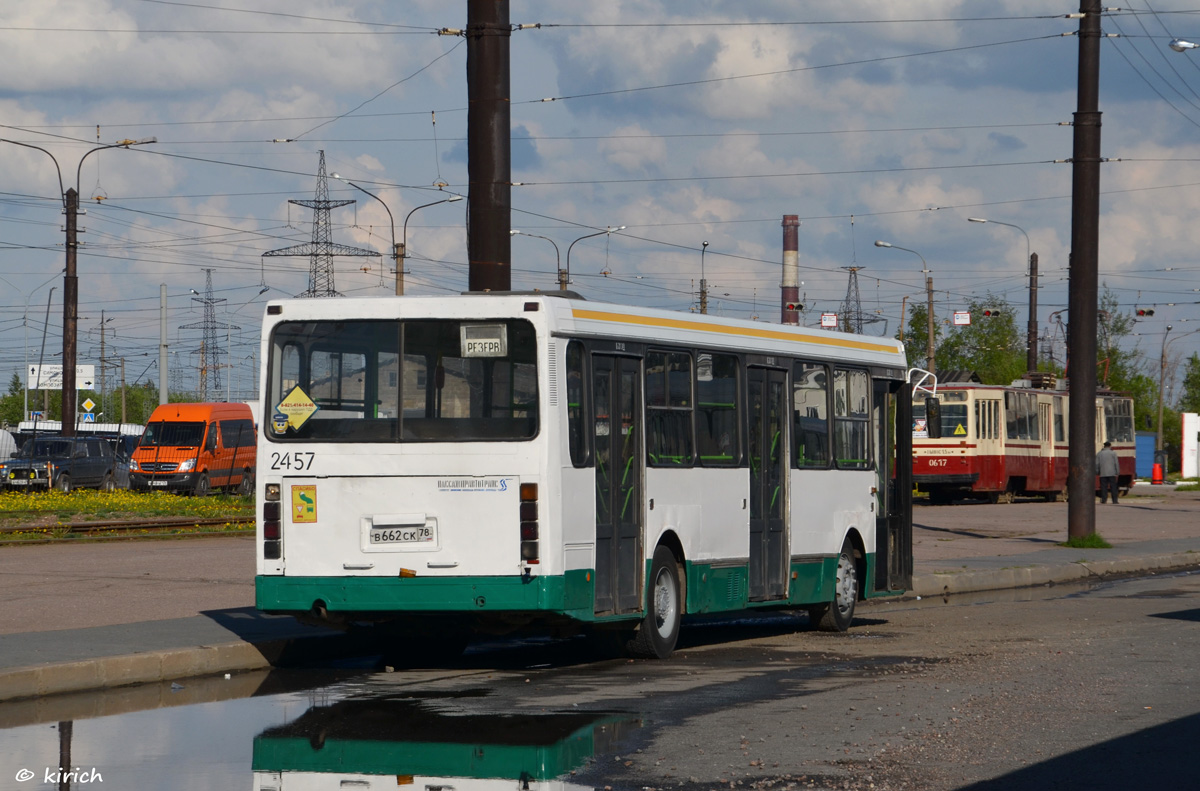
{"type": "Point", "coordinates": [1085, 234]}
{"type": "Point", "coordinates": [122, 389]}
{"type": "Point", "coordinates": [489, 159]}
{"type": "Point", "coordinates": [163, 395]}
{"type": "Point", "coordinates": [929, 361]}
{"type": "Point", "coordinates": [1031, 351]}
{"type": "Point", "coordinates": [70, 314]}
{"type": "Point", "coordinates": [103, 361]}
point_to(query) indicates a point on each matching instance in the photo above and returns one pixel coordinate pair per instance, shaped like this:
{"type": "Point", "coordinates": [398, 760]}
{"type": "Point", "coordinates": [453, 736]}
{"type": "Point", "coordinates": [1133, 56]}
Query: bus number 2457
{"type": "Point", "coordinates": [292, 461]}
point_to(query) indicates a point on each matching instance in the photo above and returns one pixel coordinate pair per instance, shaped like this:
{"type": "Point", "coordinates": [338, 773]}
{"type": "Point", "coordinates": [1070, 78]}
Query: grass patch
{"type": "Point", "coordinates": [46, 509]}
{"type": "Point", "coordinates": [1188, 487]}
{"type": "Point", "coordinates": [1093, 541]}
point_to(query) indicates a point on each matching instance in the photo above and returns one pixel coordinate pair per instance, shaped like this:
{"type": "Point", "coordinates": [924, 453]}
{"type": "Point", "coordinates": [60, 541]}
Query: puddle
{"type": "Point", "coordinates": [375, 743]}
{"type": "Point", "coordinates": [218, 733]}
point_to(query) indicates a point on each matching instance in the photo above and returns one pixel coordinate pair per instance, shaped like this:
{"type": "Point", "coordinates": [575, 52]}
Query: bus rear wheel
{"type": "Point", "coordinates": [657, 634]}
{"type": "Point", "coordinates": [836, 615]}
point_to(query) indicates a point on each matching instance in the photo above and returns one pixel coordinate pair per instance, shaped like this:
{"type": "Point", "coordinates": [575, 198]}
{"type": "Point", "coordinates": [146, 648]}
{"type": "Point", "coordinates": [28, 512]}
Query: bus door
{"type": "Point", "coordinates": [616, 398]}
{"type": "Point", "coordinates": [768, 454]}
{"type": "Point", "coordinates": [891, 407]}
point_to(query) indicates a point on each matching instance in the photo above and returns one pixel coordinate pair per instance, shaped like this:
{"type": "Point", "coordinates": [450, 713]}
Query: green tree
{"type": "Point", "coordinates": [916, 334]}
{"type": "Point", "coordinates": [12, 403]}
{"type": "Point", "coordinates": [1189, 400]}
{"type": "Point", "coordinates": [1120, 366]}
{"type": "Point", "coordinates": [990, 345]}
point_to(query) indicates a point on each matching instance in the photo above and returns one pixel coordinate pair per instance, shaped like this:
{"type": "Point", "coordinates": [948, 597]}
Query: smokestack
{"type": "Point", "coordinates": [790, 297]}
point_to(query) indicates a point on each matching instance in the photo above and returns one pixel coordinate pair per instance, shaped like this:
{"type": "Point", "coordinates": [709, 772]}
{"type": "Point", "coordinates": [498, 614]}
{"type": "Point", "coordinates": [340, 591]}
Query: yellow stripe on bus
{"type": "Point", "coordinates": [682, 324]}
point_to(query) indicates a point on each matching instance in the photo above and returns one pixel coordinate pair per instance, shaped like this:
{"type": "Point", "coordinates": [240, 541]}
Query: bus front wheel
{"type": "Point", "coordinates": [836, 615]}
{"type": "Point", "coordinates": [659, 630]}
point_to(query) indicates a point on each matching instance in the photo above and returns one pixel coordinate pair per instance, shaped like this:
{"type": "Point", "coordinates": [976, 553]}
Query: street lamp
{"type": "Point", "coordinates": [567, 276]}
{"type": "Point", "coordinates": [1179, 45]}
{"type": "Point", "coordinates": [929, 361]}
{"type": "Point", "coordinates": [1032, 334]}
{"type": "Point", "coordinates": [402, 248]}
{"type": "Point", "coordinates": [1162, 369]}
{"type": "Point", "coordinates": [562, 276]}
{"type": "Point", "coordinates": [392, 220]}
{"type": "Point", "coordinates": [70, 200]}
{"type": "Point", "coordinates": [25, 324]}
{"type": "Point", "coordinates": [398, 250]}
{"type": "Point", "coordinates": [703, 281]}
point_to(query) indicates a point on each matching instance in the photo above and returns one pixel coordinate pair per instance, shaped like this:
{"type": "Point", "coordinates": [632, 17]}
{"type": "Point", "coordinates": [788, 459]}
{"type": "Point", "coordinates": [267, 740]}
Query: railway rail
{"type": "Point", "coordinates": [124, 529]}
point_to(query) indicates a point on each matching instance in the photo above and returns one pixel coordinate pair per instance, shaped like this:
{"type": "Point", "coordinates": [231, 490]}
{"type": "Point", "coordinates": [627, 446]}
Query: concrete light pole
{"type": "Point", "coordinates": [929, 359]}
{"type": "Point", "coordinates": [1032, 334]}
{"type": "Point", "coordinates": [25, 323]}
{"type": "Point", "coordinates": [1162, 375]}
{"type": "Point", "coordinates": [70, 333]}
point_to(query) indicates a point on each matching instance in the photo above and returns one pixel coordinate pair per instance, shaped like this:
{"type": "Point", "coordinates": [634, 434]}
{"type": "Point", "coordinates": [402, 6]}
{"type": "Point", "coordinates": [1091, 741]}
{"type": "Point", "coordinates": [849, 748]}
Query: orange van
{"type": "Point", "coordinates": [196, 448]}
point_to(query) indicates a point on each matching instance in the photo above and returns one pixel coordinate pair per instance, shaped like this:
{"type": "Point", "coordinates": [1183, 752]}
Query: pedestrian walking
{"type": "Point", "coordinates": [1107, 468]}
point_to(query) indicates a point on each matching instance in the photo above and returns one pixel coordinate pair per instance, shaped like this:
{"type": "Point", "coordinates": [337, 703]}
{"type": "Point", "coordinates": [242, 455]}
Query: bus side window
{"type": "Point", "coordinates": [717, 409]}
{"type": "Point", "coordinates": [810, 416]}
{"type": "Point", "coordinates": [851, 420]}
{"type": "Point", "coordinates": [669, 409]}
{"type": "Point", "coordinates": [576, 435]}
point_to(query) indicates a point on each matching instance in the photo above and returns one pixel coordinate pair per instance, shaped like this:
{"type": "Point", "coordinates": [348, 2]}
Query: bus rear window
{"type": "Point", "coordinates": [411, 381]}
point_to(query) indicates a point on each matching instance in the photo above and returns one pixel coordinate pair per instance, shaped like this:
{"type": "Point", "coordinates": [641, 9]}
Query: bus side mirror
{"type": "Point", "coordinates": [933, 417]}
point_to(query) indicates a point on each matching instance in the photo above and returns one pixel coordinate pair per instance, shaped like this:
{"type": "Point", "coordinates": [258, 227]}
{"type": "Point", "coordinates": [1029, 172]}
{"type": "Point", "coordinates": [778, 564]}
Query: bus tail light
{"type": "Point", "coordinates": [271, 524]}
{"type": "Point", "coordinates": [529, 523]}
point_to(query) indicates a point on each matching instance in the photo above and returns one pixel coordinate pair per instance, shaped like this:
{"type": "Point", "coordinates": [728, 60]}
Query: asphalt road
{"type": "Point", "coordinates": [1082, 686]}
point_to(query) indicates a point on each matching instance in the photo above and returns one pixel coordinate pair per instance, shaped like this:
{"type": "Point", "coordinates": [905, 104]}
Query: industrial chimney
{"type": "Point", "coordinates": [790, 297]}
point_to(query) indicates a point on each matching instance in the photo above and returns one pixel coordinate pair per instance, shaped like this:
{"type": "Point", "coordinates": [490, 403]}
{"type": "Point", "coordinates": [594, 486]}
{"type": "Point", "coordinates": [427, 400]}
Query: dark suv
{"type": "Point", "coordinates": [61, 462]}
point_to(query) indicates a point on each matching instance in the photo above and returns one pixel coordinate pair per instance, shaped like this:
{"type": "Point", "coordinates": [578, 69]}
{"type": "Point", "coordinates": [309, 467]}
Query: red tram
{"type": "Point", "coordinates": [1000, 442]}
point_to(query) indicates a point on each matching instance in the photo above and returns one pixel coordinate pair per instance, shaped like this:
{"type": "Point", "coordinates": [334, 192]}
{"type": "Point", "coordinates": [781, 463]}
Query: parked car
{"type": "Point", "coordinates": [123, 447]}
{"type": "Point", "coordinates": [65, 463]}
{"type": "Point", "coordinates": [195, 448]}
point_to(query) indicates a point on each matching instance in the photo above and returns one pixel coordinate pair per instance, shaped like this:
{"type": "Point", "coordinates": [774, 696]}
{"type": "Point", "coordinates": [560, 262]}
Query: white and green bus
{"type": "Point", "coordinates": [489, 462]}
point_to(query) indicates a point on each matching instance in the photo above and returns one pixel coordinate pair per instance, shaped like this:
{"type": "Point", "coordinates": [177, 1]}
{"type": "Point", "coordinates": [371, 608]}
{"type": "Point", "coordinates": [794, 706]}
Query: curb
{"type": "Point", "coordinates": [170, 664]}
{"type": "Point", "coordinates": [116, 671]}
{"type": "Point", "coordinates": [938, 583]}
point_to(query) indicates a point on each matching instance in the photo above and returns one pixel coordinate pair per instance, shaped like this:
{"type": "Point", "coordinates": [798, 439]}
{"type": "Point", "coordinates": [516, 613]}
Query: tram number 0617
{"type": "Point", "coordinates": [299, 461]}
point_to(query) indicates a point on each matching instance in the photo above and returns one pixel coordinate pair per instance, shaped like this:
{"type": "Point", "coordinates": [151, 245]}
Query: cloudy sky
{"type": "Point", "coordinates": [687, 122]}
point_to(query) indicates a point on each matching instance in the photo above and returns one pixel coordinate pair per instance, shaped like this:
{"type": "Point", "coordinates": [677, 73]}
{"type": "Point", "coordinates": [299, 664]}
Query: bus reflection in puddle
{"type": "Point", "coordinates": [403, 742]}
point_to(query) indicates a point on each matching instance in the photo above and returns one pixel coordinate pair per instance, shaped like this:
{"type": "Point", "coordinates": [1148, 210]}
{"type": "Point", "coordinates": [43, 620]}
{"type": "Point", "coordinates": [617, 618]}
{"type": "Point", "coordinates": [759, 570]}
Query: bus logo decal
{"type": "Point", "coordinates": [304, 504]}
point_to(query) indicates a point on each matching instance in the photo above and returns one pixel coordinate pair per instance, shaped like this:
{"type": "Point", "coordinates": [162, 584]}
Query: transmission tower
{"type": "Point", "coordinates": [853, 318]}
{"type": "Point", "coordinates": [210, 350]}
{"type": "Point", "coordinates": [321, 249]}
